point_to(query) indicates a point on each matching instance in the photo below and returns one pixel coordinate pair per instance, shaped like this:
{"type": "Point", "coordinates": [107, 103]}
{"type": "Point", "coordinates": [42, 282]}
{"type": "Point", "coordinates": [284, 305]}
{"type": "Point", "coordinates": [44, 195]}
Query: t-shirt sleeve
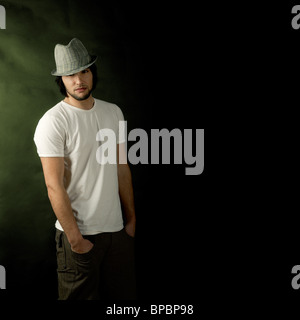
{"type": "Point", "coordinates": [49, 137]}
{"type": "Point", "coordinates": [121, 138]}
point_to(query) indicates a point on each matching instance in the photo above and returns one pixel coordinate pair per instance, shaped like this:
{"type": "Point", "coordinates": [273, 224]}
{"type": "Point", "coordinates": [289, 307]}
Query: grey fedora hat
{"type": "Point", "coordinates": [71, 58]}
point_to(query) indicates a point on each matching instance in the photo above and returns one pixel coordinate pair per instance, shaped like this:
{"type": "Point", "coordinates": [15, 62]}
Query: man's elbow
{"type": "Point", "coordinates": [54, 188]}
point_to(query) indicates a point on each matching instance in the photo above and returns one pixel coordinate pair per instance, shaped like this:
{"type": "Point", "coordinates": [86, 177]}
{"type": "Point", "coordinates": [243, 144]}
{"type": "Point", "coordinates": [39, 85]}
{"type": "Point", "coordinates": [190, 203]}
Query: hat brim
{"type": "Point", "coordinates": [67, 73]}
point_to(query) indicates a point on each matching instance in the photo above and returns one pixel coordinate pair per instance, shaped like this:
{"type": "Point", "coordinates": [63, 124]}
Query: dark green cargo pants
{"type": "Point", "coordinates": [104, 273]}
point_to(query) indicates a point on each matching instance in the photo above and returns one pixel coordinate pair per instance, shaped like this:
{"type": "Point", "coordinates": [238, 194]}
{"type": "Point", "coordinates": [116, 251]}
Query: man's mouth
{"type": "Point", "coordinates": [81, 89]}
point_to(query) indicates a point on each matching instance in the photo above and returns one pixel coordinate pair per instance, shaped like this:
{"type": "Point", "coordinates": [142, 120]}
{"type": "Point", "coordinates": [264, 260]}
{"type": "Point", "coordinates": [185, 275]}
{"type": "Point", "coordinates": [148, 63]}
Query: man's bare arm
{"type": "Point", "coordinates": [126, 190]}
{"type": "Point", "coordinates": [53, 168]}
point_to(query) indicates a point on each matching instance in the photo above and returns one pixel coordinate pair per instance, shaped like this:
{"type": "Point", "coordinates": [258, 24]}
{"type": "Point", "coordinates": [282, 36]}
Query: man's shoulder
{"type": "Point", "coordinates": [56, 112]}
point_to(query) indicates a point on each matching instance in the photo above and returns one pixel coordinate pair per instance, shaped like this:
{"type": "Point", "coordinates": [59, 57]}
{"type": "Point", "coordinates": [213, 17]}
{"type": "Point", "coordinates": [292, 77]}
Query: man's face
{"type": "Point", "coordinates": [79, 85]}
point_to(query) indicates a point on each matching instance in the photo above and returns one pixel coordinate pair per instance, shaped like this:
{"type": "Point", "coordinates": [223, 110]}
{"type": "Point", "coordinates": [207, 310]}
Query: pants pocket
{"type": "Point", "coordinates": [83, 256]}
{"type": "Point", "coordinates": [84, 262]}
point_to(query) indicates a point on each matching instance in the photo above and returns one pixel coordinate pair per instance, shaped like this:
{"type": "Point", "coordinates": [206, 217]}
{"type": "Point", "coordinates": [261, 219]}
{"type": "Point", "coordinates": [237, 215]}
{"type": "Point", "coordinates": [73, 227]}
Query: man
{"type": "Point", "coordinates": [94, 251]}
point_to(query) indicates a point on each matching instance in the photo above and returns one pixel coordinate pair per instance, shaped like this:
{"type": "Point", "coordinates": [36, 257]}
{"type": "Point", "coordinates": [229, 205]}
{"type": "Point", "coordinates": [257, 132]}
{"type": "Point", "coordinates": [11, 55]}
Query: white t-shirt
{"type": "Point", "coordinates": [69, 132]}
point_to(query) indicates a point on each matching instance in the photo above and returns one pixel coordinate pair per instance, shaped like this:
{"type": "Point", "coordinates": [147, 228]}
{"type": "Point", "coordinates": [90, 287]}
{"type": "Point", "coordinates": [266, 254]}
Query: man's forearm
{"type": "Point", "coordinates": [62, 208]}
{"type": "Point", "coordinates": [53, 168]}
{"type": "Point", "coordinates": [126, 193]}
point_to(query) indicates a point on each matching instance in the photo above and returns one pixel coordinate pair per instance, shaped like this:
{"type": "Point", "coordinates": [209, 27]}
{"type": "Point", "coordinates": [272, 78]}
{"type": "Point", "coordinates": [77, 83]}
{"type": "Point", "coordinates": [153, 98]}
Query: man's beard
{"type": "Point", "coordinates": [80, 98]}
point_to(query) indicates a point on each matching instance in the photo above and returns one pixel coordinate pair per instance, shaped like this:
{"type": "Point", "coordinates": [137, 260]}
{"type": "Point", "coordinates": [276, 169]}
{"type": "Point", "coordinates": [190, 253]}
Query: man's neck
{"type": "Point", "coordinates": [83, 104]}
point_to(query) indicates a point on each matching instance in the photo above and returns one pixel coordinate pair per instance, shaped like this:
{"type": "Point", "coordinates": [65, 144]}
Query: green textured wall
{"type": "Point", "coordinates": [27, 90]}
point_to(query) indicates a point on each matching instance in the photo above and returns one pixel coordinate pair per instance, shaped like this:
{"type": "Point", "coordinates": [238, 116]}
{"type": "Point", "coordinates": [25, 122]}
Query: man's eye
{"type": "Point", "coordinates": [85, 71]}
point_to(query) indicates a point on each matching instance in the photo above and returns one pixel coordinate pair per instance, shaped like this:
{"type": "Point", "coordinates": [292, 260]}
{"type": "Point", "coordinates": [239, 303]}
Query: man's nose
{"type": "Point", "coordinates": [78, 78]}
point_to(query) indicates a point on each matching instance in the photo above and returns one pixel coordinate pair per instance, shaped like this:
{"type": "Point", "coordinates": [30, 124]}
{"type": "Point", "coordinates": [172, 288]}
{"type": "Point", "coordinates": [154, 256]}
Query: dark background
{"type": "Point", "coordinates": [156, 62]}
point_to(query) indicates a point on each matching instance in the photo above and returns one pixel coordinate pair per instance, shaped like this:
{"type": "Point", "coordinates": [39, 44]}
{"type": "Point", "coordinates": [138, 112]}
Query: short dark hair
{"type": "Point", "coordinates": [61, 85]}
